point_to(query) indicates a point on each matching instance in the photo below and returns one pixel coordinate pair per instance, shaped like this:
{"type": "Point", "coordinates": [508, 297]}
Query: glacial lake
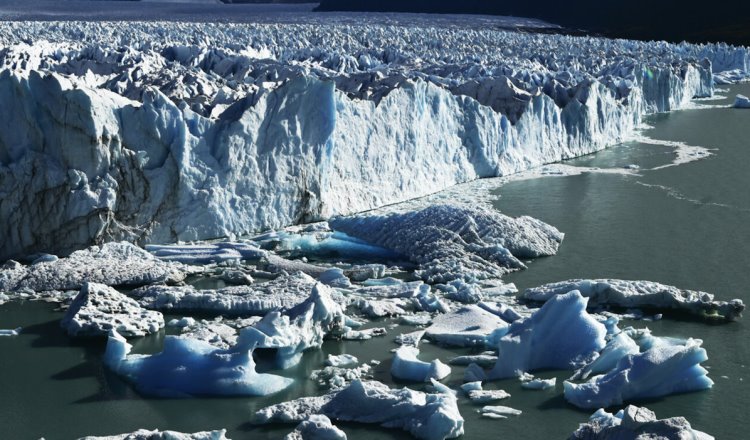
{"type": "Point", "coordinates": [684, 225]}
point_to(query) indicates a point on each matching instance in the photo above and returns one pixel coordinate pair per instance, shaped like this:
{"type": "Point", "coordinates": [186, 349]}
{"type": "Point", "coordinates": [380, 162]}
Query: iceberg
{"type": "Point", "coordinates": [556, 336]}
{"type": "Point", "coordinates": [741, 101]}
{"type": "Point", "coordinates": [97, 309]}
{"type": "Point", "coordinates": [642, 294]}
{"type": "Point", "coordinates": [144, 434]}
{"type": "Point", "coordinates": [406, 366]}
{"type": "Point", "coordinates": [663, 367]}
{"type": "Point", "coordinates": [635, 422]}
{"type": "Point", "coordinates": [425, 416]}
{"type": "Point", "coordinates": [316, 427]}
{"type": "Point", "coordinates": [456, 243]}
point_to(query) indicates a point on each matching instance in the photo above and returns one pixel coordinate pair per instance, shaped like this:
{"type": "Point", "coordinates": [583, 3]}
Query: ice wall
{"type": "Point", "coordinates": [137, 137]}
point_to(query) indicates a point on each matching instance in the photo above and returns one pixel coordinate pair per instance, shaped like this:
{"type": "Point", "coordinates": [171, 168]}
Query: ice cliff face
{"type": "Point", "coordinates": [157, 132]}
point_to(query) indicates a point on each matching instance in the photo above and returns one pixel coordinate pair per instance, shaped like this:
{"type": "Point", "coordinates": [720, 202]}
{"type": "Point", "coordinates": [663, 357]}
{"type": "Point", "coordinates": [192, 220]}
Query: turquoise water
{"type": "Point", "coordinates": [685, 225]}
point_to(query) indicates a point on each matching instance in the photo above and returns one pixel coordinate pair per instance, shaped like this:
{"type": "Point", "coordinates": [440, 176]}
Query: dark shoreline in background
{"type": "Point", "coordinates": [670, 20]}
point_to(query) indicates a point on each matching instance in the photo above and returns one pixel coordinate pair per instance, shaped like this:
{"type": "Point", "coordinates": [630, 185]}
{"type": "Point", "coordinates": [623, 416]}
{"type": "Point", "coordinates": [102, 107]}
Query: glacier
{"type": "Point", "coordinates": [162, 132]}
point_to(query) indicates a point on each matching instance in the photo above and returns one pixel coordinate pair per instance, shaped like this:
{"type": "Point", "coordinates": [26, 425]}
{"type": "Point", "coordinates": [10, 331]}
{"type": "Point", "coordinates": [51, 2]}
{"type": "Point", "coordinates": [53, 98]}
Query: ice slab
{"type": "Point", "coordinates": [467, 326]}
{"type": "Point", "coordinates": [636, 423]}
{"type": "Point", "coordinates": [642, 294]}
{"type": "Point", "coordinates": [144, 434]}
{"type": "Point", "coordinates": [425, 416]}
{"type": "Point", "coordinates": [406, 366]}
{"type": "Point", "coordinates": [98, 309]}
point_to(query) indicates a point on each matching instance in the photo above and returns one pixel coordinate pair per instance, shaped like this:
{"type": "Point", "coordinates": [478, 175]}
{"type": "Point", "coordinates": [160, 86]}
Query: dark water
{"type": "Point", "coordinates": [690, 231]}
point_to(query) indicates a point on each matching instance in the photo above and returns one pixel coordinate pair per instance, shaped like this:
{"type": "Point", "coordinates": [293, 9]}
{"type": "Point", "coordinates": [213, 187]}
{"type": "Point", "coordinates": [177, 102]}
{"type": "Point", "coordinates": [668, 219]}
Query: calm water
{"type": "Point", "coordinates": [685, 225]}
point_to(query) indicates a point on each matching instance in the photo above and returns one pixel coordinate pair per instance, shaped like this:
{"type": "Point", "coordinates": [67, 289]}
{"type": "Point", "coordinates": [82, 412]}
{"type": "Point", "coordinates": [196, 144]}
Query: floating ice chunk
{"type": "Point", "coordinates": [539, 384]}
{"type": "Point", "coordinates": [188, 367]}
{"type": "Point", "coordinates": [641, 294]}
{"type": "Point", "coordinates": [554, 337]}
{"type": "Point", "coordinates": [485, 396]}
{"type": "Point", "coordinates": [98, 309]}
{"type": "Point", "coordinates": [468, 326]}
{"type": "Point", "coordinates": [335, 378]}
{"type": "Point", "coordinates": [4, 298]}
{"type": "Point", "coordinates": [426, 416]}
{"type": "Point", "coordinates": [182, 322]}
{"type": "Point", "coordinates": [380, 309]}
{"type": "Point", "coordinates": [364, 334]}
{"type": "Point", "coordinates": [504, 311]}
{"type": "Point", "coordinates": [450, 242]}
{"type": "Point", "coordinates": [335, 277]}
{"type": "Point", "coordinates": [411, 339]}
{"type": "Point", "coordinates": [636, 423]}
{"type": "Point", "coordinates": [474, 373]}
{"type": "Point", "coordinates": [667, 367]}
{"type": "Point", "coordinates": [458, 290]}
{"type": "Point", "coordinates": [416, 319]}
{"type": "Point", "coordinates": [343, 360]}
{"type": "Point", "coordinates": [471, 386]}
{"type": "Point", "coordinates": [406, 366]}
{"type": "Point", "coordinates": [112, 264]}
{"type": "Point", "coordinates": [499, 412]}
{"type": "Point", "coordinates": [144, 434]}
{"type": "Point", "coordinates": [741, 101]}
{"type": "Point", "coordinates": [13, 332]}
{"type": "Point", "coordinates": [283, 292]}
{"type": "Point", "coordinates": [316, 427]}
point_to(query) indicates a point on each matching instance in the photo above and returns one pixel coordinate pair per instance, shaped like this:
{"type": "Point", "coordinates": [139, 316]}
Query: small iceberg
{"type": "Point", "coordinates": [634, 422]}
{"type": "Point", "coordinates": [741, 101]}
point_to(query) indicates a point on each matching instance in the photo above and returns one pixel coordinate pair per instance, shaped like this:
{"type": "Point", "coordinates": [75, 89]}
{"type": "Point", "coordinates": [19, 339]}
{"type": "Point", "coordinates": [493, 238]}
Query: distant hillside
{"type": "Point", "coordinates": [672, 20]}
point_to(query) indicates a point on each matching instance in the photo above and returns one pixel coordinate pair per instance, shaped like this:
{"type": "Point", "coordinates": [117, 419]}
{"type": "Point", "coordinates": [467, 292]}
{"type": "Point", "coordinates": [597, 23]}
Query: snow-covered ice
{"type": "Point", "coordinates": [342, 360]}
{"type": "Point", "coordinates": [636, 423]}
{"type": "Point", "coordinates": [641, 294]}
{"type": "Point", "coordinates": [466, 327]}
{"type": "Point", "coordinates": [97, 309]}
{"type": "Point", "coordinates": [554, 337]}
{"type": "Point", "coordinates": [425, 415]}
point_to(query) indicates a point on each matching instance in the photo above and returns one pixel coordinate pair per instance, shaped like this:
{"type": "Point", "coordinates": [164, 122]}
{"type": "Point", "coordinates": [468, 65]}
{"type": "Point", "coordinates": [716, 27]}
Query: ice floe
{"type": "Point", "coordinates": [98, 309]}
{"type": "Point", "coordinates": [466, 327]}
{"type": "Point", "coordinates": [641, 294]}
{"type": "Point", "coordinates": [145, 434]}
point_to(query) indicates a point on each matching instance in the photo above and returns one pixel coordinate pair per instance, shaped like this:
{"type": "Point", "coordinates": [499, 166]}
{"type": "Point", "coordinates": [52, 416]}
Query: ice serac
{"type": "Point", "coordinates": [642, 294]}
{"type": "Point", "coordinates": [661, 367]}
{"type": "Point", "coordinates": [556, 336]}
{"type": "Point", "coordinates": [456, 242]}
{"type": "Point", "coordinates": [156, 133]}
{"type": "Point", "coordinates": [426, 416]}
{"type": "Point", "coordinates": [145, 434]}
{"type": "Point", "coordinates": [636, 423]}
{"type": "Point", "coordinates": [97, 309]}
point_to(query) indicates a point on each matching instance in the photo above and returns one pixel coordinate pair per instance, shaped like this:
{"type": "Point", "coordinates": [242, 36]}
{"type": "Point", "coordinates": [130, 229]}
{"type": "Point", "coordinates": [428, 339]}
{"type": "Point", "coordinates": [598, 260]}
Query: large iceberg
{"type": "Point", "coordinates": [663, 366]}
{"type": "Point", "coordinates": [636, 423]}
{"type": "Point", "coordinates": [641, 294]}
{"type": "Point", "coordinates": [426, 416]}
{"type": "Point", "coordinates": [557, 336]}
{"type": "Point", "coordinates": [165, 132]}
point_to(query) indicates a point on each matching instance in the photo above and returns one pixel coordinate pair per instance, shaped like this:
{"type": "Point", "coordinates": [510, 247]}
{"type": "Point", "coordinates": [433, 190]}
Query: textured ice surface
{"type": "Point", "coordinates": [98, 309]}
{"type": "Point", "coordinates": [452, 242]}
{"type": "Point", "coordinates": [406, 366]}
{"type": "Point", "coordinates": [641, 294]}
{"type": "Point", "coordinates": [286, 291]}
{"type": "Point", "coordinates": [335, 378]}
{"type": "Point", "coordinates": [486, 396]}
{"type": "Point", "coordinates": [198, 131]}
{"type": "Point", "coordinates": [554, 337]}
{"type": "Point", "coordinates": [144, 434]}
{"type": "Point", "coordinates": [316, 427]}
{"type": "Point", "coordinates": [741, 101]}
{"type": "Point", "coordinates": [112, 264]}
{"type": "Point", "coordinates": [663, 366]}
{"type": "Point", "coordinates": [466, 327]}
{"type": "Point", "coordinates": [425, 416]}
{"type": "Point", "coordinates": [638, 424]}
{"type": "Point", "coordinates": [207, 252]}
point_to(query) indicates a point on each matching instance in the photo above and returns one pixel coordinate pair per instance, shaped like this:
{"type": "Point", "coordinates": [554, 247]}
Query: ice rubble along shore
{"type": "Point", "coordinates": [158, 132]}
